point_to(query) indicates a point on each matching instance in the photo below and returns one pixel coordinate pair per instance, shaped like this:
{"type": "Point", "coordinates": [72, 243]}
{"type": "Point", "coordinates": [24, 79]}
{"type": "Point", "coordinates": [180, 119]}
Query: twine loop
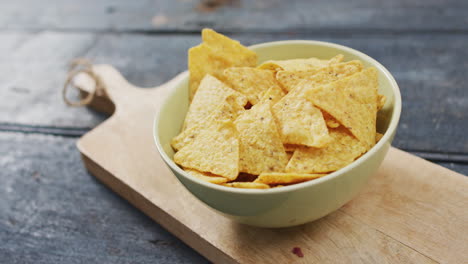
{"type": "Point", "coordinates": [78, 66]}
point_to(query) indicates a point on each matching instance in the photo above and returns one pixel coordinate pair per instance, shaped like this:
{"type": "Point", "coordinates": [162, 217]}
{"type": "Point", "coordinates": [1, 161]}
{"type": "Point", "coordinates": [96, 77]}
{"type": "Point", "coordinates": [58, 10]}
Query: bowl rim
{"type": "Point", "coordinates": [386, 137]}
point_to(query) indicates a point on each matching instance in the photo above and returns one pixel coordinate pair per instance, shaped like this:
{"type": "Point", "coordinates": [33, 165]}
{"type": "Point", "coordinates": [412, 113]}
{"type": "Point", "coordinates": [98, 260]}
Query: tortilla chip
{"type": "Point", "coordinates": [330, 120]}
{"type": "Point", "coordinates": [381, 99]}
{"type": "Point", "coordinates": [274, 94]}
{"type": "Point", "coordinates": [211, 93]}
{"type": "Point", "coordinates": [378, 137]}
{"type": "Point", "coordinates": [215, 150]}
{"type": "Point", "coordinates": [236, 52]}
{"type": "Point", "coordinates": [291, 79]}
{"type": "Point", "coordinates": [229, 110]}
{"type": "Point", "coordinates": [251, 82]}
{"type": "Point", "coordinates": [216, 54]}
{"type": "Point", "coordinates": [299, 64]}
{"type": "Point", "coordinates": [300, 122]}
{"type": "Point", "coordinates": [352, 101]}
{"type": "Point", "coordinates": [285, 178]}
{"type": "Point", "coordinates": [205, 176]}
{"type": "Point", "coordinates": [247, 185]}
{"type": "Point", "coordinates": [342, 150]}
{"type": "Point", "coordinates": [261, 149]}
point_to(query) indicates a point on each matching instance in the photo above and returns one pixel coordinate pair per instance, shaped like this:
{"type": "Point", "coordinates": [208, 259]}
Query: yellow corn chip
{"type": "Point", "coordinates": [217, 53]}
{"type": "Point", "coordinates": [236, 52]}
{"type": "Point", "coordinates": [261, 149]}
{"type": "Point", "coordinates": [342, 150]}
{"type": "Point", "coordinates": [331, 122]}
{"type": "Point", "coordinates": [205, 176]}
{"type": "Point", "coordinates": [216, 150]}
{"type": "Point", "coordinates": [299, 64]}
{"type": "Point", "coordinates": [251, 82]}
{"type": "Point", "coordinates": [247, 185]}
{"type": "Point", "coordinates": [229, 110]}
{"type": "Point", "coordinates": [290, 79]}
{"type": "Point", "coordinates": [300, 122]}
{"type": "Point", "coordinates": [285, 178]}
{"type": "Point", "coordinates": [378, 137]}
{"type": "Point", "coordinates": [381, 99]}
{"type": "Point", "coordinates": [274, 94]}
{"type": "Point", "coordinates": [211, 93]}
{"type": "Point", "coordinates": [352, 101]}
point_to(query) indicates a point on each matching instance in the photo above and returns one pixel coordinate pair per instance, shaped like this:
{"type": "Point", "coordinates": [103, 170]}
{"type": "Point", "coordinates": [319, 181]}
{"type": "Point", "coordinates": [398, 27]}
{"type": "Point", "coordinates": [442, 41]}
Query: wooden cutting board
{"type": "Point", "coordinates": [412, 211]}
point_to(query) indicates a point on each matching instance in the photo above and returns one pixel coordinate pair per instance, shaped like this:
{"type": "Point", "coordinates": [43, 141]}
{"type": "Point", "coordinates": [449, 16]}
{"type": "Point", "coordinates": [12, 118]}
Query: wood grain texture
{"type": "Point", "coordinates": [53, 211]}
{"type": "Point", "coordinates": [431, 77]}
{"type": "Point", "coordinates": [236, 15]}
{"type": "Point", "coordinates": [398, 220]}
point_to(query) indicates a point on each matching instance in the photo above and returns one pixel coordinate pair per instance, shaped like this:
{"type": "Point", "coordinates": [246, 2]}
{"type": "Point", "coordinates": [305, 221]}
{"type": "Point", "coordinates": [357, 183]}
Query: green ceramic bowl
{"type": "Point", "coordinates": [294, 204]}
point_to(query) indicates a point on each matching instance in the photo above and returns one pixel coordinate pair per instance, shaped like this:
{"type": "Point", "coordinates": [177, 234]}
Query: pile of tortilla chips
{"type": "Point", "coordinates": [276, 124]}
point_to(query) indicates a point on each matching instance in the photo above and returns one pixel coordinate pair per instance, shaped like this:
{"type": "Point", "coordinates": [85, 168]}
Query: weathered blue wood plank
{"type": "Point", "coordinates": [237, 15]}
{"type": "Point", "coordinates": [53, 211]}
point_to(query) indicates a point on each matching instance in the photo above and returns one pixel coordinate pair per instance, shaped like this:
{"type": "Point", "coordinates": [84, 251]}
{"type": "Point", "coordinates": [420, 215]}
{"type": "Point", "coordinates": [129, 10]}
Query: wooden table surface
{"type": "Point", "coordinates": [53, 211]}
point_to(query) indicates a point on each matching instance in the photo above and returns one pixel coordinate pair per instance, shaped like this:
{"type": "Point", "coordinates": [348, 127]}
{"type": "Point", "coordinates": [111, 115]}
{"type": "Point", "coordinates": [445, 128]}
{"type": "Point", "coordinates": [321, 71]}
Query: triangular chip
{"type": "Point", "coordinates": [352, 101]}
{"type": "Point", "coordinates": [210, 94]}
{"type": "Point", "coordinates": [274, 94]}
{"type": "Point", "coordinates": [274, 178]}
{"type": "Point", "coordinates": [251, 82]}
{"type": "Point", "coordinates": [214, 55]}
{"type": "Point", "coordinates": [227, 47]}
{"type": "Point", "coordinates": [206, 176]}
{"type": "Point", "coordinates": [247, 185]}
{"type": "Point", "coordinates": [381, 99]}
{"type": "Point", "coordinates": [299, 64]}
{"type": "Point", "coordinates": [215, 150]}
{"type": "Point", "coordinates": [261, 149]}
{"type": "Point", "coordinates": [300, 122]}
{"type": "Point", "coordinates": [342, 150]}
{"type": "Point", "coordinates": [290, 79]}
{"type": "Point", "coordinates": [229, 110]}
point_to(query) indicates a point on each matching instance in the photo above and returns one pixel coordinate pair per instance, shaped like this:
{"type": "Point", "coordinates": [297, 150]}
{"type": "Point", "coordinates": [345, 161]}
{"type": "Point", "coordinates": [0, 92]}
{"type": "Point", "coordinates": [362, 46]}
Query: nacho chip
{"type": "Point", "coordinates": [274, 94]}
{"type": "Point", "coordinates": [229, 110]}
{"type": "Point", "coordinates": [342, 150]}
{"type": "Point", "coordinates": [378, 137]}
{"type": "Point", "coordinates": [205, 176]}
{"type": "Point", "coordinates": [300, 122]}
{"type": "Point", "coordinates": [236, 52]}
{"type": "Point", "coordinates": [215, 150]}
{"type": "Point", "coordinates": [210, 94]}
{"type": "Point", "coordinates": [285, 178]}
{"type": "Point", "coordinates": [247, 185]}
{"type": "Point", "coordinates": [251, 82]}
{"type": "Point", "coordinates": [290, 79]}
{"type": "Point", "coordinates": [330, 120]}
{"type": "Point", "coordinates": [214, 55]}
{"type": "Point", "coordinates": [381, 99]}
{"type": "Point", "coordinates": [299, 64]}
{"type": "Point", "coordinates": [261, 149]}
{"type": "Point", "coordinates": [352, 101]}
